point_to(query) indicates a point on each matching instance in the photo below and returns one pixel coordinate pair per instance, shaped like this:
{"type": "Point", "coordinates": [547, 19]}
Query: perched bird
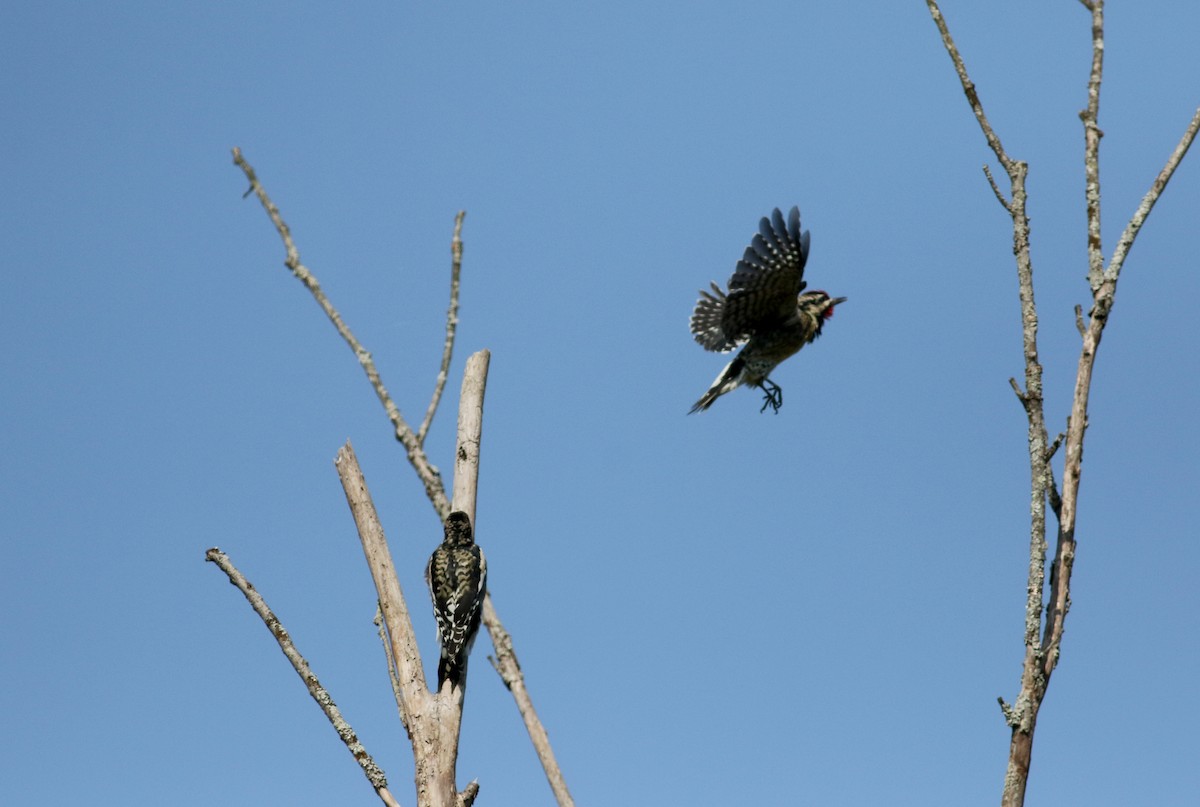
{"type": "Point", "coordinates": [766, 310]}
{"type": "Point", "coordinates": [457, 579]}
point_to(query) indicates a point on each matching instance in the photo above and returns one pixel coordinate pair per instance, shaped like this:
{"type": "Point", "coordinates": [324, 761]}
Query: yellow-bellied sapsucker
{"type": "Point", "coordinates": [457, 578]}
{"type": "Point", "coordinates": [766, 309]}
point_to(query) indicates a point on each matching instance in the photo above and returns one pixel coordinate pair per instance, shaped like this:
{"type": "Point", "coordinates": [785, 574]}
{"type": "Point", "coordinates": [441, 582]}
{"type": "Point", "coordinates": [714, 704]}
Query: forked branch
{"type": "Point", "coordinates": [466, 455]}
{"type": "Point", "coordinates": [1042, 651]}
{"type": "Point", "coordinates": [416, 456]}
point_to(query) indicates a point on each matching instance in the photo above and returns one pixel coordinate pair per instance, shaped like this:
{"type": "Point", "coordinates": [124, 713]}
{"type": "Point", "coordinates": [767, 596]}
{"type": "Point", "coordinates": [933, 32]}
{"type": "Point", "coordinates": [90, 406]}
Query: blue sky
{"type": "Point", "coordinates": [715, 609]}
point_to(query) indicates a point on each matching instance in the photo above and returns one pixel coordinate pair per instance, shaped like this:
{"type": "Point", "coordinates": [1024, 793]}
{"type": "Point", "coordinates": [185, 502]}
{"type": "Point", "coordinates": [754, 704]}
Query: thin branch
{"type": "Point", "coordinates": [1079, 326]}
{"type": "Point", "coordinates": [393, 677]}
{"type": "Point", "coordinates": [451, 326]}
{"type": "Point", "coordinates": [1022, 715]}
{"type": "Point", "coordinates": [1031, 398]}
{"type": "Point", "coordinates": [1052, 485]}
{"type": "Point", "coordinates": [1016, 388]}
{"type": "Point", "coordinates": [1148, 201]}
{"type": "Point", "coordinates": [1091, 152]}
{"type": "Point", "coordinates": [416, 455]}
{"type": "Point", "coordinates": [1007, 205]}
{"type": "Point", "coordinates": [374, 774]}
{"type": "Point", "coordinates": [969, 88]}
{"type": "Point", "coordinates": [509, 669]}
{"type": "Point", "coordinates": [1053, 449]}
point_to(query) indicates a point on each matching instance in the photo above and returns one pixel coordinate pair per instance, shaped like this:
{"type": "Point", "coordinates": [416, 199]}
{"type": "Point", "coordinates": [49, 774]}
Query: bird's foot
{"type": "Point", "coordinates": [773, 396]}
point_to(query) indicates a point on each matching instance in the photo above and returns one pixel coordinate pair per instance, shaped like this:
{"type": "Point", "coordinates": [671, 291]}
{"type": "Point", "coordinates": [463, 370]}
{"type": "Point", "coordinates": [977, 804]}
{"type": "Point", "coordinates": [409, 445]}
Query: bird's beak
{"type": "Point", "coordinates": [838, 300]}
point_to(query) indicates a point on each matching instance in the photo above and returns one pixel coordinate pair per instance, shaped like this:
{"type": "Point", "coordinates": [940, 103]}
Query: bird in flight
{"type": "Point", "coordinates": [766, 311]}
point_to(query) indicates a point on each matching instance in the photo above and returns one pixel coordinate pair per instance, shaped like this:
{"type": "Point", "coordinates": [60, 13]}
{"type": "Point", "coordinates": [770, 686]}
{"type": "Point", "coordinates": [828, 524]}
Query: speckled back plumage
{"type": "Point", "coordinates": [457, 579]}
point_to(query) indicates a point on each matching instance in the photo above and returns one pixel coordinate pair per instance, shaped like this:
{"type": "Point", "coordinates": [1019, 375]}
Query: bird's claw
{"type": "Point", "coordinates": [773, 396]}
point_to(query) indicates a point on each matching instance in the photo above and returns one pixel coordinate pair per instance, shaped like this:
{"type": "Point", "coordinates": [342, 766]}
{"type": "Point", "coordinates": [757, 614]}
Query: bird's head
{"type": "Point", "coordinates": [820, 304]}
{"type": "Point", "coordinates": [458, 529]}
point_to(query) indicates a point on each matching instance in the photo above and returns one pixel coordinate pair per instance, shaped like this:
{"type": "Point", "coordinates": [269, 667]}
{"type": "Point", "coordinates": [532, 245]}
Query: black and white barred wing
{"type": "Point", "coordinates": [763, 288]}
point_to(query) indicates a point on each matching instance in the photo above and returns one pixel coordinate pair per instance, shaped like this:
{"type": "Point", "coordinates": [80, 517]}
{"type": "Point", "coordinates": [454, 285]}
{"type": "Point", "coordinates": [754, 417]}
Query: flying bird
{"type": "Point", "coordinates": [766, 311]}
{"type": "Point", "coordinates": [457, 578]}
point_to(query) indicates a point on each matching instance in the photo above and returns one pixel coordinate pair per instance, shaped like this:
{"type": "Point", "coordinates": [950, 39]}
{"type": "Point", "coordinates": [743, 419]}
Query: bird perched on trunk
{"type": "Point", "coordinates": [766, 310]}
{"type": "Point", "coordinates": [457, 578]}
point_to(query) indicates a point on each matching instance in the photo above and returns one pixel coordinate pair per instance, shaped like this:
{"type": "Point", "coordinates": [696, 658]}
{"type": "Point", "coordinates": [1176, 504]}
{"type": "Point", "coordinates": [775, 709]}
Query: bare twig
{"type": "Point", "coordinates": [1052, 486]}
{"type": "Point", "coordinates": [416, 456]}
{"type": "Point", "coordinates": [1016, 388]}
{"type": "Point", "coordinates": [1007, 205]}
{"type": "Point", "coordinates": [393, 677]}
{"type": "Point", "coordinates": [969, 87]}
{"type": "Point", "coordinates": [451, 327]}
{"type": "Point", "coordinates": [374, 774]}
{"type": "Point", "coordinates": [1091, 150]}
{"type": "Point", "coordinates": [1147, 204]}
{"type": "Point", "coordinates": [1053, 448]}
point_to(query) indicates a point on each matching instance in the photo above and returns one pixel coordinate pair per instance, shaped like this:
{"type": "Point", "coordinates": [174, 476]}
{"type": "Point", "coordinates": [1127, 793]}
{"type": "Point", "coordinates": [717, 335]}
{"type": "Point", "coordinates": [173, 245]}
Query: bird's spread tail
{"type": "Point", "coordinates": [729, 379]}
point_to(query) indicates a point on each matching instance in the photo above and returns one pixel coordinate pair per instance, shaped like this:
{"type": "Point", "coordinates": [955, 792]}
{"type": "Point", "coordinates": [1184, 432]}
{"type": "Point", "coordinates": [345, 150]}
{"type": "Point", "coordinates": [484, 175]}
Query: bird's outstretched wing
{"type": "Point", "coordinates": [762, 290]}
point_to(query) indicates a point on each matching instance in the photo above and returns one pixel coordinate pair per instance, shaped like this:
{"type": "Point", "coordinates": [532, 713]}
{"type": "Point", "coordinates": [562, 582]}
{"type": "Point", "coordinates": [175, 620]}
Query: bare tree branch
{"type": "Point", "coordinates": [1007, 205]}
{"type": "Point", "coordinates": [466, 474]}
{"type": "Point", "coordinates": [470, 433]}
{"type": "Point", "coordinates": [506, 664]}
{"type": "Point", "coordinates": [393, 676]}
{"type": "Point", "coordinates": [433, 722]}
{"type": "Point", "coordinates": [374, 774]}
{"type": "Point", "coordinates": [451, 327]}
{"type": "Point", "coordinates": [1041, 655]}
{"type": "Point", "coordinates": [1021, 716]}
{"type": "Point", "coordinates": [969, 88]}
{"type": "Point", "coordinates": [1091, 150]}
{"type": "Point", "coordinates": [1052, 488]}
{"type": "Point", "coordinates": [1151, 197]}
{"type": "Point", "coordinates": [416, 456]}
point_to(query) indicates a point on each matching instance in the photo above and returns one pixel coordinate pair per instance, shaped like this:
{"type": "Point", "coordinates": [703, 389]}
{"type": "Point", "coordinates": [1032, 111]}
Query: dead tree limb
{"type": "Point", "coordinates": [408, 438]}
{"type": "Point", "coordinates": [451, 327]}
{"type": "Point", "coordinates": [373, 772]}
{"type": "Point", "coordinates": [466, 468]}
{"type": "Point", "coordinates": [433, 721]}
{"type": "Point", "coordinates": [1043, 641]}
